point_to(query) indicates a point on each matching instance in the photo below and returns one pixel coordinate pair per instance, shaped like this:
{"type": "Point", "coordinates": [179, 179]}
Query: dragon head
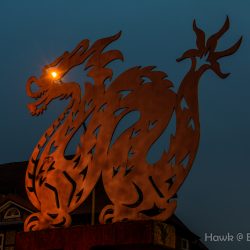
{"type": "Point", "coordinates": [50, 85]}
{"type": "Point", "coordinates": [208, 49]}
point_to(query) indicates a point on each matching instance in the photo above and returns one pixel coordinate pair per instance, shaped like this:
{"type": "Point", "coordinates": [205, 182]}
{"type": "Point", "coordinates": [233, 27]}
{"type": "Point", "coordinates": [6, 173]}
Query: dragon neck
{"type": "Point", "coordinates": [57, 131]}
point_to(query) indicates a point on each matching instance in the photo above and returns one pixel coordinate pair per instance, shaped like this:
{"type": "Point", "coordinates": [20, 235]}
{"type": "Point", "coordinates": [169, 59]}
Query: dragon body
{"type": "Point", "coordinates": [57, 185]}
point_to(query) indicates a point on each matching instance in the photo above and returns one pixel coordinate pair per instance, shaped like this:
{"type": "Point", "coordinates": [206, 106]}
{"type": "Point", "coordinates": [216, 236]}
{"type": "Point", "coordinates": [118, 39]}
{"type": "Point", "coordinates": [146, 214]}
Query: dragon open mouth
{"type": "Point", "coordinates": [50, 87]}
{"type": "Point", "coordinates": [47, 91]}
{"type": "Point", "coordinates": [37, 107]}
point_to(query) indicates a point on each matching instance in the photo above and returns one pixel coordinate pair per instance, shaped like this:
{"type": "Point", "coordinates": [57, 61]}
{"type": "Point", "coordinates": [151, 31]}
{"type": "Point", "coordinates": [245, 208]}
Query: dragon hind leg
{"type": "Point", "coordinates": [115, 213]}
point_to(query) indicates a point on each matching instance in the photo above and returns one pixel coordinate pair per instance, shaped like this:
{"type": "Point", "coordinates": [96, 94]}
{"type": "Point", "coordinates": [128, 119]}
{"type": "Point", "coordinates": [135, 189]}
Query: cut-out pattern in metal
{"type": "Point", "coordinates": [56, 185]}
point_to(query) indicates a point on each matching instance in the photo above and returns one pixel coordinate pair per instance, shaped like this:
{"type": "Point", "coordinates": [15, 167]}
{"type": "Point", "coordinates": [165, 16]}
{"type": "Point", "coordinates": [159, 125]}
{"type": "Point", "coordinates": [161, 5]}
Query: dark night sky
{"type": "Point", "coordinates": [214, 198]}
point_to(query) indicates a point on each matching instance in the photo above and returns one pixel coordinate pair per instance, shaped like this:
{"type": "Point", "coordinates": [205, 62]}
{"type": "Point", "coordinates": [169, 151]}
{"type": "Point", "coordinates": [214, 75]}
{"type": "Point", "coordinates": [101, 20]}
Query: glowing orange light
{"type": "Point", "coordinates": [54, 74]}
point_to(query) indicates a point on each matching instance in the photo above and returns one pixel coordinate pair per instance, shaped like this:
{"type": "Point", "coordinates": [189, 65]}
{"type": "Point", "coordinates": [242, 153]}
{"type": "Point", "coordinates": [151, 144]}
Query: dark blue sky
{"type": "Point", "coordinates": [214, 197]}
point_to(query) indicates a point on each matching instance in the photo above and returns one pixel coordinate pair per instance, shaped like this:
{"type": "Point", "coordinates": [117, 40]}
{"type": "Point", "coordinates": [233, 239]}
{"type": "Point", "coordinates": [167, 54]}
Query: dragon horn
{"type": "Point", "coordinates": [97, 49]}
{"type": "Point", "coordinates": [200, 36]}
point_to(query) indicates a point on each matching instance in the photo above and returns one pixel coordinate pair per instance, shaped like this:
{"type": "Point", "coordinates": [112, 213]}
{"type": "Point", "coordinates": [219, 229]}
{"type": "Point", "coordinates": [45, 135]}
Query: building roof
{"type": "Point", "coordinates": [12, 178]}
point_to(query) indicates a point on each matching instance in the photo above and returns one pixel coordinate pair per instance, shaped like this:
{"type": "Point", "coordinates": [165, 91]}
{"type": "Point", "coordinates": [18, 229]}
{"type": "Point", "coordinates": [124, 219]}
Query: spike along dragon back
{"type": "Point", "coordinates": [138, 190]}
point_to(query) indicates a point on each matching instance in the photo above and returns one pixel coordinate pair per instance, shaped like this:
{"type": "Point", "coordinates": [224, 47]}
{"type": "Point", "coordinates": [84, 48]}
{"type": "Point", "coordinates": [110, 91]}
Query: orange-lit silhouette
{"type": "Point", "coordinates": [137, 190]}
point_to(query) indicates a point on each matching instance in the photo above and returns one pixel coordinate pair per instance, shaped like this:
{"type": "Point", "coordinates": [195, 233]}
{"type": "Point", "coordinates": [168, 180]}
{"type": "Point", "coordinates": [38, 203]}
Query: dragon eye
{"type": "Point", "coordinates": [54, 74]}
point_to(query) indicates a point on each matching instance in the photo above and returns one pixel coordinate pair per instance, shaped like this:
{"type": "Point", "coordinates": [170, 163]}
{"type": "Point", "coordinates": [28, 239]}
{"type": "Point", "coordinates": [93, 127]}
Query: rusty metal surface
{"type": "Point", "coordinates": [137, 190]}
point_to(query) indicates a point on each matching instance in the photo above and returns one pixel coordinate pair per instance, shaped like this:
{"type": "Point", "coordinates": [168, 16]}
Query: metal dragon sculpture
{"type": "Point", "coordinates": [57, 185]}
